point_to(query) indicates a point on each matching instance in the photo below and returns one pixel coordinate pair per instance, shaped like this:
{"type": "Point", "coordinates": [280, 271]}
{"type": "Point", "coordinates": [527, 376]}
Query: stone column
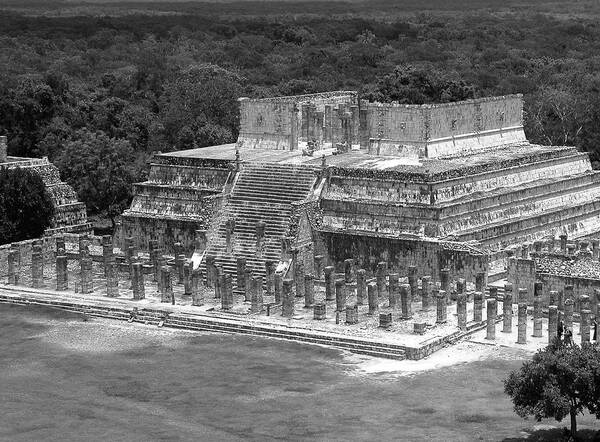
{"type": "Point", "coordinates": [329, 283]}
{"type": "Point", "coordinates": [560, 301]}
{"type": "Point", "coordinates": [210, 271]}
{"type": "Point", "coordinates": [413, 282]}
{"type": "Point", "coordinates": [309, 290]}
{"type": "Point", "coordinates": [478, 307]}
{"type": "Point", "coordinates": [197, 293]}
{"type": "Point", "coordinates": [318, 266]}
{"type": "Point", "coordinates": [107, 252]}
{"type": "Point", "coordinates": [442, 308]}
{"type": "Point", "coordinates": [270, 277]}
{"type": "Point", "coordinates": [491, 319]}
{"type": "Point", "coordinates": [288, 299]}
{"type": "Point", "coordinates": [461, 310]}
{"type": "Point", "coordinates": [552, 297]}
{"type": "Point", "coordinates": [522, 295]}
{"type": "Point", "coordinates": [61, 273]}
{"type": "Point", "coordinates": [248, 284]}
{"type": "Point", "coordinates": [381, 282]}
{"type": "Point", "coordinates": [340, 295]}
{"type": "Point", "coordinates": [569, 293]}
{"type": "Point", "coordinates": [361, 286]}
{"type": "Point", "coordinates": [460, 286]}
{"type": "Point", "coordinates": [480, 282]}
{"type": "Point", "coordinates": [552, 323]}
{"type": "Point", "coordinates": [445, 280]}
{"type": "Point", "coordinates": [187, 279]}
{"type": "Point", "coordinates": [352, 314]}
{"type": "Point", "coordinates": [595, 249]}
{"type": "Point", "coordinates": [569, 313]}
{"type": "Point", "coordinates": [426, 293]}
{"type": "Point", "coordinates": [537, 316]}
{"type": "Point", "coordinates": [320, 311]}
{"type": "Point", "coordinates": [87, 281]}
{"type": "Point", "coordinates": [112, 279]}
{"type": "Point", "coordinates": [372, 295]}
{"type": "Point", "coordinates": [563, 243]}
{"type": "Point", "coordinates": [218, 282]}
{"type": "Point", "coordinates": [522, 324]}
{"type": "Point", "coordinates": [585, 325]}
{"type": "Point", "coordinates": [37, 266]}
{"type": "Point", "coordinates": [166, 294]}
{"type": "Point", "coordinates": [299, 279]}
{"type": "Point", "coordinates": [179, 264]}
{"type": "Point", "coordinates": [139, 289]}
{"type": "Point", "coordinates": [507, 312]}
{"type": "Point", "coordinates": [13, 265]}
{"type": "Point", "coordinates": [278, 287]}
{"type": "Point", "coordinates": [61, 248]}
{"type": "Point", "coordinates": [393, 290]}
{"type": "Point", "coordinates": [257, 294]}
{"type": "Point", "coordinates": [405, 301]}
{"type": "Point", "coordinates": [241, 273]}
{"type": "Point", "coordinates": [348, 270]}
{"type": "Point", "coordinates": [226, 286]}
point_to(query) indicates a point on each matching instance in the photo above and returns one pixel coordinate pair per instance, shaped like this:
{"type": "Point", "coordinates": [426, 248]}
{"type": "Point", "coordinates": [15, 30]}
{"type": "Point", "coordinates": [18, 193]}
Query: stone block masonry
{"type": "Point", "coordinates": [3, 148]}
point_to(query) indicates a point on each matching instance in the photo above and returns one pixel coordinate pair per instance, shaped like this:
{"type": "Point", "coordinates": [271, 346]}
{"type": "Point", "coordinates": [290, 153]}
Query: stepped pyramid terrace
{"type": "Point", "coordinates": [381, 229]}
{"type": "Point", "coordinates": [328, 175]}
{"type": "Point", "coordinates": [70, 215]}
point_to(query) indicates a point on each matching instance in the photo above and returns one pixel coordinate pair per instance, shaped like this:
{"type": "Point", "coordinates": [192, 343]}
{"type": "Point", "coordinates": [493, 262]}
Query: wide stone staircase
{"type": "Point", "coordinates": [262, 192]}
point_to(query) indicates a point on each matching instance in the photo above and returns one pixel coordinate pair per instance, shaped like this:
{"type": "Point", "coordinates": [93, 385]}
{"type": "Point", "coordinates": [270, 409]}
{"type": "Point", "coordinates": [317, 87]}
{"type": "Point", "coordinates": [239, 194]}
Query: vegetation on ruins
{"type": "Point", "coordinates": [101, 170]}
{"type": "Point", "coordinates": [167, 77]}
{"type": "Point", "coordinates": [561, 380]}
{"type": "Point", "coordinates": [25, 207]}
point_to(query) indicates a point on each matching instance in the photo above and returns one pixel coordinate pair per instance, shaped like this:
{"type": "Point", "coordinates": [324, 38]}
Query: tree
{"type": "Point", "coordinates": [559, 381]}
{"type": "Point", "coordinates": [411, 85]}
{"type": "Point", "coordinates": [26, 209]}
{"type": "Point", "coordinates": [202, 95]}
{"type": "Point", "coordinates": [101, 170]}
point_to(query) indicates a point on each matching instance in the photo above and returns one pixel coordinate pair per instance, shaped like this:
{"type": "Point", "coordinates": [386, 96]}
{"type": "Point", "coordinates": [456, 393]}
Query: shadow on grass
{"type": "Point", "coordinates": [556, 434]}
{"type": "Point", "coordinates": [42, 311]}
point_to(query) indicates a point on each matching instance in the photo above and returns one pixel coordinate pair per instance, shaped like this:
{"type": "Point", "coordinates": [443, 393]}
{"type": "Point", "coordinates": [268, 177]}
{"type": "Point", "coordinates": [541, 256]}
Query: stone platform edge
{"type": "Point", "coordinates": [202, 321]}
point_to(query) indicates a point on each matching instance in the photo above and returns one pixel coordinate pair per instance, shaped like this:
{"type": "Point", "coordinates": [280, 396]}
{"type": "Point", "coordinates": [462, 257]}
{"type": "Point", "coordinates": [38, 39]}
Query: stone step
{"type": "Point", "coordinates": [508, 232]}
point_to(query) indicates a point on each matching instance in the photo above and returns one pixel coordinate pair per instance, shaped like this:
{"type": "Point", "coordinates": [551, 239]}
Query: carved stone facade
{"type": "Point", "coordinates": [434, 186]}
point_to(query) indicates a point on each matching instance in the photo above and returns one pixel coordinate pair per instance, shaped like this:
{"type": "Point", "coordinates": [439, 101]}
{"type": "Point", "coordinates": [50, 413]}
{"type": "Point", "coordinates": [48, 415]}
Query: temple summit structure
{"type": "Point", "coordinates": [334, 177]}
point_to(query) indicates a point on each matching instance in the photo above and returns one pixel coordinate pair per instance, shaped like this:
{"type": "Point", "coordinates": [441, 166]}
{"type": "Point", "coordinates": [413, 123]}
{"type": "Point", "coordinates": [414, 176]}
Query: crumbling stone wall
{"type": "Point", "coordinates": [442, 130]}
{"type": "Point", "coordinates": [288, 123]}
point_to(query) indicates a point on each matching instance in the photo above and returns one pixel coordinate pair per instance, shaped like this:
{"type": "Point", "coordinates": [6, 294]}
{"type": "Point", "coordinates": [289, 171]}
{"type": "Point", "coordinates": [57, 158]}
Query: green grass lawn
{"type": "Point", "coordinates": [65, 379]}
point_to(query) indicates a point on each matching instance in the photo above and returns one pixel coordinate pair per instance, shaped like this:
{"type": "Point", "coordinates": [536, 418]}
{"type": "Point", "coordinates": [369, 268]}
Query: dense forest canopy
{"type": "Point", "coordinates": [148, 77]}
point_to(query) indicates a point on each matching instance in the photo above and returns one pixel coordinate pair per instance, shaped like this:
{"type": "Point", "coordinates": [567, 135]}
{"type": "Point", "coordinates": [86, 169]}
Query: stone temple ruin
{"type": "Point", "coordinates": [70, 215]}
{"type": "Point", "coordinates": [391, 230]}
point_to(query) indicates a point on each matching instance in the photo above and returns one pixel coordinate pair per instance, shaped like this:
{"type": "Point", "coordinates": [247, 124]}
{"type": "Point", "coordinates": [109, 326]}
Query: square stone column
{"type": "Point", "coordinates": [491, 318]}
{"type": "Point", "coordinates": [393, 290]}
{"type": "Point", "coordinates": [288, 299]}
{"type": "Point", "coordinates": [478, 307]}
{"type": "Point", "coordinates": [13, 267]}
{"type": "Point", "coordinates": [361, 286]}
{"type": "Point", "coordinates": [329, 283]}
{"type": "Point", "coordinates": [507, 305]}
{"type": "Point", "coordinates": [405, 301]}
{"type": "Point", "coordinates": [61, 273]}
{"type": "Point", "coordinates": [552, 323]}
{"type": "Point", "coordinates": [461, 310]}
{"type": "Point", "coordinates": [522, 324]}
{"type": "Point", "coordinates": [426, 293]}
{"type": "Point", "coordinates": [257, 294]}
{"type": "Point", "coordinates": [139, 288]}
{"type": "Point", "coordinates": [37, 266]}
{"type": "Point", "coordinates": [197, 292]}
{"type": "Point", "coordinates": [309, 290]}
{"type": "Point", "coordinates": [373, 298]}
{"type": "Point", "coordinates": [166, 294]}
{"type": "Point", "coordinates": [442, 306]}
{"type": "Point", "coordinates": [112, 279]}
